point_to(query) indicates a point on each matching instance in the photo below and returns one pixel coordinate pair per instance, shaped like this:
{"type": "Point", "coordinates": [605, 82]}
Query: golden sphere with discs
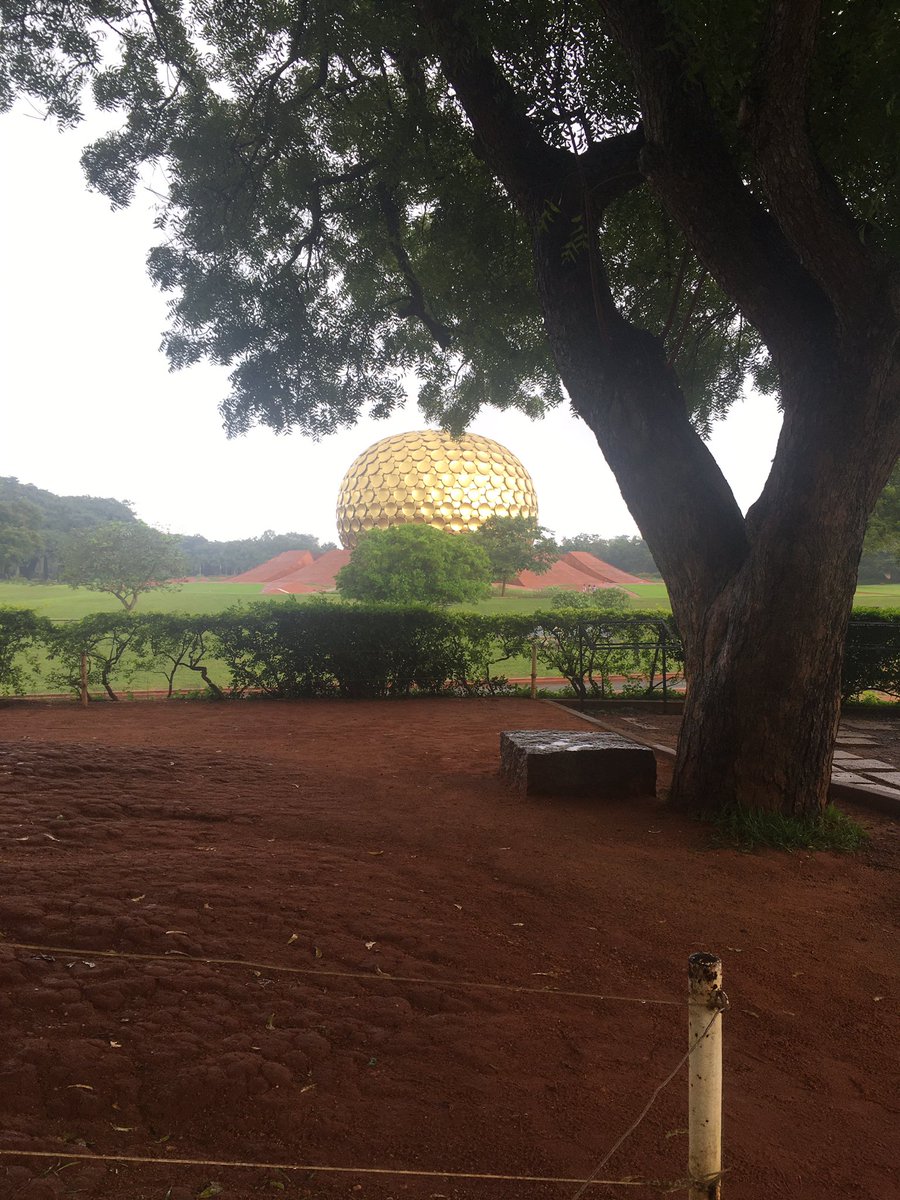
{"type": "Point", "coordinates": [435, 479]}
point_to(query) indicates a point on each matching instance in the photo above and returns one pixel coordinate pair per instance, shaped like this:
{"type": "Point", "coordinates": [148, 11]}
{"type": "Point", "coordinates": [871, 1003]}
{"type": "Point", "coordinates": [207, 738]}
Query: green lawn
{"type": "Point", "coordinates": [877, 595]}
{"type": "Point", "coordinates": [647, 595]}
{"type": "Point", "coordinates": [61, 603]}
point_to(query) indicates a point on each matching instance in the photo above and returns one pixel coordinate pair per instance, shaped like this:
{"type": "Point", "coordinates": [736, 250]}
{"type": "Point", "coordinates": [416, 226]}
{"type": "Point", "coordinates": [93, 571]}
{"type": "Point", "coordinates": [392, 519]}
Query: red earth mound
{"type": "Point", "coordinates": [592, 565]}
{"type": "Point", "coordinates": [281, 564]}
{"type": "Point", "coordinates": [562, 574]}
{"type": "Point", "coordinates": [318, 576]}
{"type": "Point", "coordinates": [575, 570]}
{"type": "Point", "coordinates": [286, 934]}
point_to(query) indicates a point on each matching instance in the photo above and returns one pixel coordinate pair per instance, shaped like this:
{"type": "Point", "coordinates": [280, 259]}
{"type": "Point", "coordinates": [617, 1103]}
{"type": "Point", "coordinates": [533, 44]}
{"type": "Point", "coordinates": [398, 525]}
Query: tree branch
{"type": "Point", "coordinates": [521, 158]}
{"type": "Point", "coordinates": [416, 304]}
{"type": "Point", "coordinates": [690, 167]}
{"type": "Point", "coordinates": [804, 197]}
{"type": "Point", "coordinates": [676, 293]}
{"type": "Point", "coordinates": [616, 374]}
{"type": "Point", "coordinates": [686, 320]}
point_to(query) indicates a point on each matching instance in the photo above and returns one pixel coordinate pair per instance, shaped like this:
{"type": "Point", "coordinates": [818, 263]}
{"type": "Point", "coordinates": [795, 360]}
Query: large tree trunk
{"type": "Point", "coordinates": [763, 602]}
{"type": "Point", "coordinates": [764, 668]}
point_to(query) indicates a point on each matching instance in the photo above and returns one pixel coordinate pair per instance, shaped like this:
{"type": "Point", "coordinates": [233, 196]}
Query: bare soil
{"type": "Point", "coordinates": [376, 839]}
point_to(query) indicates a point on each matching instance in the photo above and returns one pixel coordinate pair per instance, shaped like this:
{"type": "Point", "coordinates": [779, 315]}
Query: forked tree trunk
{"type": "Point", "coordinates": [765, 656]}
{"type": "Point", "coordinates": [763, 602]}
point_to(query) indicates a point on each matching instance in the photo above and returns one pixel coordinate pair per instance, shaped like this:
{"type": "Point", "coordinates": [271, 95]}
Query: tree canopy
{"type": "Point", "coordinates": [515, 544]}
{"type": "Point", "coordinates": [641, 202]}
{"type": "Point", "coordinates": [124, 559]}
{"type": "Point", "coordinates": [331, 224]}
{"type": "Point", "coordinates": [416, 564]}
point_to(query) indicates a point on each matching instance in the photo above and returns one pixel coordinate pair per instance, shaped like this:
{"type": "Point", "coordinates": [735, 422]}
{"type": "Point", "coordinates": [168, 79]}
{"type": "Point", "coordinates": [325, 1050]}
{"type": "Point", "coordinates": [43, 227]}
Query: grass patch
{"type": "Point", "coordinates": [60, 602]}
{"type": "Point", "coordinates": [750, 829]}
{"type": "Point", "coordinates": [63, 603]}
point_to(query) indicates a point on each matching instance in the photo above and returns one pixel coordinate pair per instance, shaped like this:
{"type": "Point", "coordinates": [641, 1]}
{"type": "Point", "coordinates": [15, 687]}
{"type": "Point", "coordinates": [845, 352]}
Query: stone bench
{"type": "Point", "coordinates": [560, 762]}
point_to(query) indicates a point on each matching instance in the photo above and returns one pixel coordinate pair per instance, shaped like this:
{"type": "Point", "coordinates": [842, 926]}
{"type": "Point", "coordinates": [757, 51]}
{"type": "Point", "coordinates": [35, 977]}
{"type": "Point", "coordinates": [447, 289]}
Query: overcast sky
{"type": "Point", "coordinates": [89, 406]}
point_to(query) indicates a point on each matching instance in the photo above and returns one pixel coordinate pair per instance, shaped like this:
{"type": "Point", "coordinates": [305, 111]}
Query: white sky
{"type": "Point", "coordinates": [89, 407]}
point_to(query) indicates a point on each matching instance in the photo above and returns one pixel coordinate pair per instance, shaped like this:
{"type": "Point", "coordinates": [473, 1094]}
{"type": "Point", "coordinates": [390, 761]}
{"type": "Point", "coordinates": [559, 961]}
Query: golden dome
{"type": "Point", "coordinates": [435, 479]}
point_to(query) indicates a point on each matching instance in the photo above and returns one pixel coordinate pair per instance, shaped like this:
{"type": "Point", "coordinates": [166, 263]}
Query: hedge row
{"type": "Point", "coordinates": [872, 653]}
{"type": "Point", "coordinates": [323, 649]}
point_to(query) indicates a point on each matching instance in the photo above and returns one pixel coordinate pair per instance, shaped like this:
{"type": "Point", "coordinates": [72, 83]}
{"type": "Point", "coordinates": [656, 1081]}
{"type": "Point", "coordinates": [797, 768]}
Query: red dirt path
{"type": "Point", "coordinates": [295, 834]}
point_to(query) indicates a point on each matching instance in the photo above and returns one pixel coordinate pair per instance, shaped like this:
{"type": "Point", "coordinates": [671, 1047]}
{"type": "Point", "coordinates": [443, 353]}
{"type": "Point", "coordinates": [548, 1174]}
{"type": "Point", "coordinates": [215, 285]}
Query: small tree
{"type": "Point", "coordinates": [123, 559]}
{"type": "Point", "coordinates": [416, 564]}
{"type": "Point", "coordinates": [515, 544]}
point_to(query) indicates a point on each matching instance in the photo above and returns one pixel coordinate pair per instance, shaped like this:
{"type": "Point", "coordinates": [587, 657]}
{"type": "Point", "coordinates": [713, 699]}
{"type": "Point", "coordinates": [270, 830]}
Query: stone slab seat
{"type": "Point", "coordinates": [560, 762]}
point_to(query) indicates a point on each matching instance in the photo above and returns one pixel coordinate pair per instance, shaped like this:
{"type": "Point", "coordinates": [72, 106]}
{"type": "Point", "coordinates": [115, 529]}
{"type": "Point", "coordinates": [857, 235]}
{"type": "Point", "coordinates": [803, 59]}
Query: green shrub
{"type": "Point", "coordinates": [21, 631]}
{"type": "Point", "coordinates": [605, 600]}
{"type": "Point", "coordinates": [173, 641]}
{"type": "Point", "coordinates": [587, 650]}
{"type": "Point", "coordinates": [318, 649]}
{"type": "Point", "coordinates": [105, 639]}
{"type": "Point", "coordinates": [324, 648]}
{"type": "Point", "coordinates": [416, 564]}
{"type": "Point", "coordinates": [270, 648]}
{"type": "Point", "coordinates": [872, 653]}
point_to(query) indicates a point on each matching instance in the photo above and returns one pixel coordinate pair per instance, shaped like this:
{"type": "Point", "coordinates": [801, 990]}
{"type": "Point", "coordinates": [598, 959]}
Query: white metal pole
{"type": "Point", "coordinates": [706, 1002]}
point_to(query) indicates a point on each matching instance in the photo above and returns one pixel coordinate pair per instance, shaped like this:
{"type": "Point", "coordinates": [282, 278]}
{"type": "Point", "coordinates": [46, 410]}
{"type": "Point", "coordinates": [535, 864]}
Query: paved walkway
{"type": "Point", "coordinates": [859, 768]}
{"type": "Point", "coordinates": [866, 759]}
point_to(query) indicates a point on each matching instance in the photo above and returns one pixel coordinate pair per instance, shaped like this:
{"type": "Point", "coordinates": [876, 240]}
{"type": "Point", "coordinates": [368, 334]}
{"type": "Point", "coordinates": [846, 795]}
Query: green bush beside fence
{"type": "Point", "coordinates": [872, 653]}
{"type": "Point", "coordinates": [296, 650]}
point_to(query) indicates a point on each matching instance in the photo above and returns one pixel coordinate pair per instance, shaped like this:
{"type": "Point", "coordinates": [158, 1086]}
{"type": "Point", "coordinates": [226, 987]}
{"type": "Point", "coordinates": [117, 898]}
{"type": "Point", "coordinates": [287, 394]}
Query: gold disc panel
{"type": "Point", "coordinates": [434, 479]}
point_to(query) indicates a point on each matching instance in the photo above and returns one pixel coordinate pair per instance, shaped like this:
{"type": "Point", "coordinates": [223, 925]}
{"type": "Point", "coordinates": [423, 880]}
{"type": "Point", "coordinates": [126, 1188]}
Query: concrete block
{"type": "Point", "coordinates": [562, 762]}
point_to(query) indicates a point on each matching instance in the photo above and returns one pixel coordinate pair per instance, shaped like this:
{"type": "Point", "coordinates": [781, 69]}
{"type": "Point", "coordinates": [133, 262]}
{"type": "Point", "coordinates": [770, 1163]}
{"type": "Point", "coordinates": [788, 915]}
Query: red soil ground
{"type": "Point", "coordinates": [367, 837]}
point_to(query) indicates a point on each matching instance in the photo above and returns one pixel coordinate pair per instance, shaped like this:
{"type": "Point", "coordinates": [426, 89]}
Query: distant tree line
{"type": "Point", "coordinates": [880, 561]}
{"type": "Point", "coordinates": [35, 526]}
{"type": "Point", "coordinates": [207, 557]}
